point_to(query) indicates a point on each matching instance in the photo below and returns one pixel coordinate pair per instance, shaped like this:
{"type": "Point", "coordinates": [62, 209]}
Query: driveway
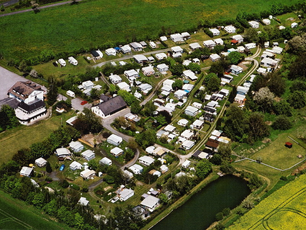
{"type": "Point", "coordinates": [8, 79]}
{"type": "Point", "coordinates": [76, 104]}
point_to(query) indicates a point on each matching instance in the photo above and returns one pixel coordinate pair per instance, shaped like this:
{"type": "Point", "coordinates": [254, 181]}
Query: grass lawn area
{"type": "Point", "coordinates": [287, 19]}
{"type": "Point", "coordinates": [15, 214]}
{"type": "Point", "coordinates": [284, 209]}
{"type": "Point", "coordinates": [24, 136]}
{"type": "Point", "coordinates": [95, 23]}
{"type": "Point", "coordinates": [277, 155]}
{"type": "Point", "coordinates": [47, 69]}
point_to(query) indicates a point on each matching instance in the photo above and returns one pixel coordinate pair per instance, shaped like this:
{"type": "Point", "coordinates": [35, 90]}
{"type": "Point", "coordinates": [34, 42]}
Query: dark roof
{"type": "Point", "coordinates": [112, 105]}
{"type": "Point", "coordinates": [197, 153]}
{"type": "Point", "coordinates": [104, 98]}
{"type": "Point", "coordinates": [33, 106]}
{"type": "Point", "coordinates": [94, 53]}
{"type": "Point", "coordinates": [212, 143]}
{"type": "Point", "coordinates": [209, 109]}
{"type": "Point", "coordinates": [11, 102]}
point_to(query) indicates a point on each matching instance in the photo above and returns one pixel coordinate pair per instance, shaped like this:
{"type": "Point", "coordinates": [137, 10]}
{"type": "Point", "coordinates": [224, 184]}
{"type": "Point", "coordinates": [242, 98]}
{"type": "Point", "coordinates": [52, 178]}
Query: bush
{"type": "Point", "coordinates": [219, 216]}
{"type": "Point", "coordinates": [64, 184]}
{"type": "Point", "coordinates": [226, 211]}
{"type": "Point", "coordinates": [282, 123]}
{"type": "Point", "coordinates": [74, 186]}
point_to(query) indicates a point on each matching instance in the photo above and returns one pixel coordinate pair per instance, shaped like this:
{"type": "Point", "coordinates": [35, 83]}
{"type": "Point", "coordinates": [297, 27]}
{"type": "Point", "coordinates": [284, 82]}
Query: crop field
{"type": "Point", "coordinates": [284, 209]}
{"type": "Point", "coordinates": [97, 22]}
{"type": "Point", "coordinates": [14, 214]}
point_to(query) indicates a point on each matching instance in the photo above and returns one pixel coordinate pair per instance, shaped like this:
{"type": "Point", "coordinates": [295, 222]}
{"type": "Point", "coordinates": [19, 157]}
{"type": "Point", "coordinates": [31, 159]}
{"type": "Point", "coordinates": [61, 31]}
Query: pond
{"type": "Point", "coordinates": [200, 210]}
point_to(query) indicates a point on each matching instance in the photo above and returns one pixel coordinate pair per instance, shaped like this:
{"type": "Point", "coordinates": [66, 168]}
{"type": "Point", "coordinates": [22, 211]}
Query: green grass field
{"type": "Point", "coordinates": [284, 209]}
{"type": "Point", "coordinates": [14, 214]}
{"type": "Point", "coordinates": [97, 22]}
{"type": "Point", "coordinates": [22, 137]}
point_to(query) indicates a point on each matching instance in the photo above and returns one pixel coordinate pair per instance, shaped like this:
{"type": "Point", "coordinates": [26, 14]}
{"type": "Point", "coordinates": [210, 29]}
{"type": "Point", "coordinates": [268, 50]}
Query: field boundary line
{"type": "Point", "coordinates": [24, 224]}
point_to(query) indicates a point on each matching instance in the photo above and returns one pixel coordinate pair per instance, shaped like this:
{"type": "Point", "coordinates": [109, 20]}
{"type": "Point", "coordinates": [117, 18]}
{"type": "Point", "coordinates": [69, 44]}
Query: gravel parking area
{"type": "Point", "coordinates": [8, 79]}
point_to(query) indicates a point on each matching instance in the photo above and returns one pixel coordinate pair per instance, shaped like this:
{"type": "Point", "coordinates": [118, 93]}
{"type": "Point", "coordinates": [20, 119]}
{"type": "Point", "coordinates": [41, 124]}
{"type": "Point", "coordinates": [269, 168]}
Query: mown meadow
{"type": "Point", "coordinates": [96, 23]}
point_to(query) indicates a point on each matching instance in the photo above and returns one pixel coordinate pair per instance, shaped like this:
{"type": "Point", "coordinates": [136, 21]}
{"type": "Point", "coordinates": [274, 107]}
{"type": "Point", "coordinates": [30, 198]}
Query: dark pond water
{"type": "Point", "coordinates": [199, 212]}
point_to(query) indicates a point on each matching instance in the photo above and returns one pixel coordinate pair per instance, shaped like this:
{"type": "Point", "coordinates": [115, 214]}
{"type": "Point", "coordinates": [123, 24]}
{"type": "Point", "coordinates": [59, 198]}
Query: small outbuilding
{"type": "Point", "coordinates": [40, 162]}
{"type": "Point", "coordinates": [114, 140]}
{"type": "Point", "coordinates": [105, 161]}
{"type": "Point", "coordinates": [288, 144]}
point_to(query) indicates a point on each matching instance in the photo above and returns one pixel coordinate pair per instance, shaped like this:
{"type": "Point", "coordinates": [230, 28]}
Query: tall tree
{"type": "Point", "coordinates": [297, 99]}
{"type": "Point", "coordinates": [257, 127]}
{"type": "Point", "coordinates": [264, 98]}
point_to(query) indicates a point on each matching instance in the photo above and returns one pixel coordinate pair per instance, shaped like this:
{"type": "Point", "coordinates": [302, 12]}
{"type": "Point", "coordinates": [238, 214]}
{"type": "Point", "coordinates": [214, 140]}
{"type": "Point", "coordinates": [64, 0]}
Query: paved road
{"type": "Point", "coordinates": [8, 79]}
{"type": "Point", "coordinates": [41, 7]}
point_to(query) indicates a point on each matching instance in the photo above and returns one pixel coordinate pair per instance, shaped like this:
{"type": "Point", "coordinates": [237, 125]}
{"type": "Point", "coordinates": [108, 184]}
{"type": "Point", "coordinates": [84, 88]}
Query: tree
{"type": "Point", "coordinates": [226, 167]}
{"type": "Point", "coordinates": [177, 84]}
{"type": "Point", "coordinates": [235, 123]}
{"type": "Point", "coordinates": [297, 100]}
{"type": "Point", "coordinates": [203, 168]}
{"type": "Point", "coordinates": [219, 216]}
{"type": "Point", "coordinates": [218, 49]}
{"type": "Point", "coordinates": [88, 122]}
{"type": "Point", "coordinates": [264, 98]}
{"type": "Point", "coordinates": [48, 167]}
{"type": "Point", "coordinates": [8, 118]}
{"type": "Point", "coordinates": [234, 57]}
{"type": "Point", "coordinates": [277, 84]}
{"type": "Point", "coordinates": [282, 108]}
{"type": "Point", "coordinates": [213, 84]}
{"type": "Point", "coordinates": [257, 126]}
{"type": "Point", "coordinates": [163, 197]}
{"type": "Point", "coordinates": [135, 107]}
{"type": "Point", "coordinates": [149, 108]}
{"type": "Point", "coordinates": [216, 159]}
{"type": "Point", "coordinates": [177, 69]}
{"type": "Point", "coordinates": [146, 138]}
{"type": "Point", "coordinates": [127, 97]}
{"type": "Point", "coordinates": [297, 44]}
{"type": "Point", "coordinates": [282, 123]}
{"type": "Point", "coordinates": [226, 211]}
{"type": "Point", "coordinates": [225, 151]}
{"type": "Point", "coordinates": [232, 94]}
{"type": "Point", "coordinates": [251, 35]}
{"type": "Point", "coordinates": [78, 221]}
{"type": "Point", "coordinates": [194, 67]}
{"type": "Point", "coordinates": [52, 91]}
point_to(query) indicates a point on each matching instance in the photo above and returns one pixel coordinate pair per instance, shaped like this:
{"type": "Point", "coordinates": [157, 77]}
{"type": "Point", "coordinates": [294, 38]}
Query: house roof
{"type": "Point", "coordinates": [40, 161]}
{"type": "Point", "coordinates": [150, 201]}
{"type": "Point", "coordinates": [33, 106]}
{"type": "Point", "coordinates": [116, 151]}
{"type": "Point", "coordinates": [26, 171]}
{"type": "Point", "coordinates": [147, 159]}
{"type": "Point", "coordinates": [112, 105]}
{"type": "Point", "coordinates": [87, 153]}
{"type": "Point", "coordinates": [212, 143]}
{"type": "Point", "coordinates": [75, 164]}
{"type": "Point", "coordinates": [83, 201]}
{"type": "Point", "coordinates": [75, 144]}
{"type": "Point", "coordinates": [22, 89]}
{"type": "Point", "coordinates": [114, 138]}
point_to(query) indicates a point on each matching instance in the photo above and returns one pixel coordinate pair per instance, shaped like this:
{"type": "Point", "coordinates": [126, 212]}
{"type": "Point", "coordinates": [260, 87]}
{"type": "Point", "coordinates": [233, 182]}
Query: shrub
{"type": "Point", "coordinates": [219, 216]}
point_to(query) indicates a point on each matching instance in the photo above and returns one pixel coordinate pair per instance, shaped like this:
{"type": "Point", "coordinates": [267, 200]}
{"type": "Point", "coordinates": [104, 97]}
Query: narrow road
{"type": "Point", "coordinates": [39, 8]}
{"type": "Point", "coordinates": [92, 187]}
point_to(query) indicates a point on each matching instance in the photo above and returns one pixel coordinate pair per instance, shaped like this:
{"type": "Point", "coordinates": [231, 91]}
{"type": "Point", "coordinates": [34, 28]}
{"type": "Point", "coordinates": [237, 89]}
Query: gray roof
{"type": "Point", "coordinates": [11, 102]}
{"type": "Point", "coordinates": [112, 105]}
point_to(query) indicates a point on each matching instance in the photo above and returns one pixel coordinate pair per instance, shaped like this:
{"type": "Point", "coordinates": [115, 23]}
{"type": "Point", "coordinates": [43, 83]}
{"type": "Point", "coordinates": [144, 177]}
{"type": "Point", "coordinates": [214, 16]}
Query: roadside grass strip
{"type": "Point", "coordinates": [284, 209]}
{"type": "Point", "coordinates": [7, 221]}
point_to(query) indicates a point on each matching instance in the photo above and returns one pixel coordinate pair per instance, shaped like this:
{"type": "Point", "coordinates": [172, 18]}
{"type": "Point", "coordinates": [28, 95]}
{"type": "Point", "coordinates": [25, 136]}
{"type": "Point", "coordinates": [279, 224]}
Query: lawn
{"type": "Point", "coordinates": [15, 214]}
{"type": "Point", "coordinates": [96, 23]}
{"type": "Point", "coordinates": [279, 156]}
{"type": "Point", "coordinates": [22, 137]}
{"type": "Point", "coordinates": [284, 209]}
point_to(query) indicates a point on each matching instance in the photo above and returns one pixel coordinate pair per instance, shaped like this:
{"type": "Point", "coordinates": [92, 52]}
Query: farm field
{"type": "Point", "coordinates": [14, 214]}
{"type": "Point", "coordinates": [97, 22]}
{"type": "Point", "coordinates": [284, 209]}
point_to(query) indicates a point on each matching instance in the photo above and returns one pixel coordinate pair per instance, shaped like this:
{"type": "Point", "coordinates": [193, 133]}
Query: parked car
{"type": "Point", "coordinates": [83, 102]}
{"type": "Point", "coordinates": [62, 167]}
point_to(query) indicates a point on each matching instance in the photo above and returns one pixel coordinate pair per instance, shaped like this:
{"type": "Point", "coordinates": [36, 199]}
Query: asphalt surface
{"type": "Point", "coordinates": [76, 104]}
{"type": "Point", "coordinates": [8, 79]}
